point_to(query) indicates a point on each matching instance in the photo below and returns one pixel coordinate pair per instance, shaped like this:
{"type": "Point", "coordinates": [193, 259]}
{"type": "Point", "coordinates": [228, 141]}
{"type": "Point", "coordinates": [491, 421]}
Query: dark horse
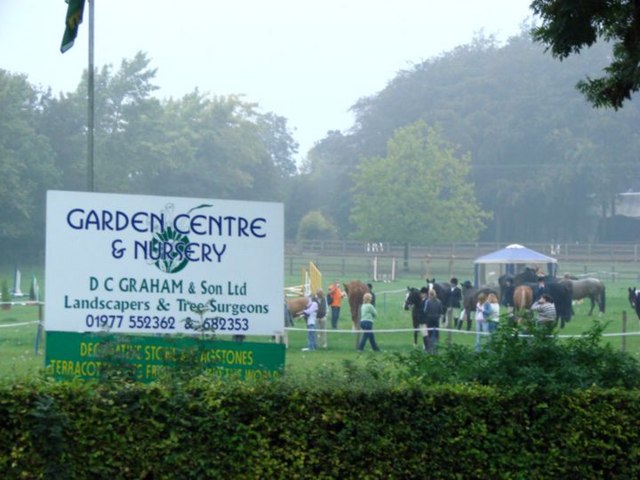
{"type": "Point", "coordinates": [634, 300]}
{"type": "Point", "coordinates": [413, 301]}
{"type": "Point", "coordinates": [589, 287]}
{"type": "Point", "coordinates": [561, 292]}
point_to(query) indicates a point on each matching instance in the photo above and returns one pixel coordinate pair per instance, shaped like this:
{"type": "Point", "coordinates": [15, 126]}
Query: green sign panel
{"type": "Point", "coordinates": [87, 355]}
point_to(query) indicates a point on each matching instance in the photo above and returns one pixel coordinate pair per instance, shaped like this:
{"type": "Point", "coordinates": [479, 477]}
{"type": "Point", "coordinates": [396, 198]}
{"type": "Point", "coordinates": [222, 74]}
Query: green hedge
{"type": "Point", "coordinates": [281, 430]}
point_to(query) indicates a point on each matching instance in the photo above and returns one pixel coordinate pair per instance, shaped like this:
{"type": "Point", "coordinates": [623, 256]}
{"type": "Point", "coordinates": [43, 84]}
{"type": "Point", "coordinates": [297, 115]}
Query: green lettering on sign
{"type": "Point", "coordinates": [88, 355]}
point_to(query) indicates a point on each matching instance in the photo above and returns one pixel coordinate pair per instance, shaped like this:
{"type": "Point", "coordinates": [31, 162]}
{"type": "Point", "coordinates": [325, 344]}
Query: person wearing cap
{"type": "Point", "coordinates": [454, 300]}
{"type": "Point", "coordinates": [540, 288]}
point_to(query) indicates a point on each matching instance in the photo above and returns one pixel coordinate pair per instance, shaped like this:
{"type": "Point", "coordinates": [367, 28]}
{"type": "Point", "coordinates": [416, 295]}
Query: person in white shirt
{"type": "Point", "coordinates": [310, 314]}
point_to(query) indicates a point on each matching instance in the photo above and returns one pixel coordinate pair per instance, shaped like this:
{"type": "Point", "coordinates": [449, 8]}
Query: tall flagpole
{"type": "Point", "coordinates": [91, 102]}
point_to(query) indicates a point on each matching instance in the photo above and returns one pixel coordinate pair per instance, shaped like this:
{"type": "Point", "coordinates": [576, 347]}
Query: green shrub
{"type": "Point", "coordinates": [316, 226]}
{"type": "Point", "coordinates": [5, 294]}
{"type": "Point", "coordinates": [528, 358]}
{"type": "Point", "coordinates": [527, 406]}
{"type": "Point", "coordinates": [207, 429]}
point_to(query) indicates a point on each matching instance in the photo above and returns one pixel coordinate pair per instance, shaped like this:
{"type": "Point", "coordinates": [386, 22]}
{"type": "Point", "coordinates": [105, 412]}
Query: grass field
{"type": "Point", "coordinates": [18, 328]}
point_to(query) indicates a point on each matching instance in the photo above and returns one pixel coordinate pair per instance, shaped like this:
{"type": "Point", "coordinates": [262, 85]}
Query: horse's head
{"type": "Point", "coordinates": [633, 296]}
{"type": "Point", "coordinates": [528, 275]}
{"type": "Point", "coordinates": [504, 280]}
{"type": "Point", "coordinates": [412, 298]}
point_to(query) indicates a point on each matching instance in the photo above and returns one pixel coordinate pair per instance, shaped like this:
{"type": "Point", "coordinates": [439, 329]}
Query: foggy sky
{"type": "Point", "coordinates": [308, 61]}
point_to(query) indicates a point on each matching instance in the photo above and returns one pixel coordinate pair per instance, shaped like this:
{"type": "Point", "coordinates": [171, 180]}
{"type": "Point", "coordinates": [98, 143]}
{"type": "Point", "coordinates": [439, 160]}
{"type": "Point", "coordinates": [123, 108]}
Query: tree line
{"type": "Point", "coordinates": [543, 164]}
{"type": "Point", "coordinates": [486, 142]}
{"type": "Point", "coordinates": [197, 146]}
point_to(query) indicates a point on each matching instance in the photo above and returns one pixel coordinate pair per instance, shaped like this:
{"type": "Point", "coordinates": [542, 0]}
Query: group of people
{"type": "Point", "coordinates": [488, 310]}
{"type": "Point", "coordinates": [487, 314]}
{"type": "Point", "coordinates": [543, 306]}
{"type": "Point", "coordinates": [317, 310]}
{"type": "Point", "coordinates": [430, 310]}
{"type": "Point", "coordinates": [316, 316]}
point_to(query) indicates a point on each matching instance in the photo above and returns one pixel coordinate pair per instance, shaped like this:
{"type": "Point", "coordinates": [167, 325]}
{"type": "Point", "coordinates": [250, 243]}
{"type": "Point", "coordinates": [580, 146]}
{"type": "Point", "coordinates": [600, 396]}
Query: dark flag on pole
{"type": "Point", "coordinates": [73, 19]}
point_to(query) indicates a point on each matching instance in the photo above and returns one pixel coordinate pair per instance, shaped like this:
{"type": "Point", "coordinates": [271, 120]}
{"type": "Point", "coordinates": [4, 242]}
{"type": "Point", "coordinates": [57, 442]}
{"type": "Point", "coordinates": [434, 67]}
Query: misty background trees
{"type": "Point", "coordinates": [488, 142]}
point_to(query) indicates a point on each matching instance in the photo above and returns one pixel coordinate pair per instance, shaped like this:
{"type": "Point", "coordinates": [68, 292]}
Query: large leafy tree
{"type": "Point", "coordinates": [26, 164]}
{"type": "Point", "coordinates": [279, 143]}
{"type": "Point", "coordinates": [220, 147]}
{"type": "Point", "coordinates": [568, 26]}
{"type": "Point", "coordinates": [197, 145]}
{"type": "Point", "coordinates": [129, 133]}
{"type": "Point", "coordinates": [535, 145]}
{"type": "Point", "coordinates": [418, 193]}
{"type": "Point", "coordinates": [324, 183]}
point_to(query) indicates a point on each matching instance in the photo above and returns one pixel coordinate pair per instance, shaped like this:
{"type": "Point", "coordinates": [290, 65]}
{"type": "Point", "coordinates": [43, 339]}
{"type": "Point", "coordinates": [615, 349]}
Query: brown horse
{"type": "Point", "coordinates": [296, 305]}
{"type": "Point", "coordinates": [355, 290]}
{"type": "Point", "coordinates": [522, 299]}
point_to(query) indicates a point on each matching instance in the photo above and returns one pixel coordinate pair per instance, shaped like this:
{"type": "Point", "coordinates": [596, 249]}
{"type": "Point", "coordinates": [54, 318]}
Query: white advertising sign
{"type": "Point", "coordinates": [145, 264]}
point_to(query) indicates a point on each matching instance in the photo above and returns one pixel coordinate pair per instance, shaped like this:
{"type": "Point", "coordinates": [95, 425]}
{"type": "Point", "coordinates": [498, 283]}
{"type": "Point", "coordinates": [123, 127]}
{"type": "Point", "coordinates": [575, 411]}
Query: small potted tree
{"type": "Point", "coordinates": [5, 296]}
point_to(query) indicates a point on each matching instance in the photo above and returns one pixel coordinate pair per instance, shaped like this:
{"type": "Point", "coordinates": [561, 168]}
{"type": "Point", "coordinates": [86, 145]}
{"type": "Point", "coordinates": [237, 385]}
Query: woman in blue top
{"type": "Point", "coordinates": [367, 316]}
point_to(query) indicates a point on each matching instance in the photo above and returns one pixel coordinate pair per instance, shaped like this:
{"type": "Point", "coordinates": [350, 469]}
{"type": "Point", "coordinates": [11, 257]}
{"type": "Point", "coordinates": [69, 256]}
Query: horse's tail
{"type": "Point", "coordinates": [603, 298]}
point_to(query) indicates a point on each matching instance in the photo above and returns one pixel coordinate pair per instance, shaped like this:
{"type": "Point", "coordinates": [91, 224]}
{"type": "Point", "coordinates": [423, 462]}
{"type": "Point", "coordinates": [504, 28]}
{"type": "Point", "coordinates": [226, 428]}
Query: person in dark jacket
{"type": "Point", "coordinates": [429, 319]}
{"type": "Point", "coordinates": [540, 289]}
{"type": "Point", "coordinates": [454, 303]}
{"type": "Point", "coordinates": [507, 291]}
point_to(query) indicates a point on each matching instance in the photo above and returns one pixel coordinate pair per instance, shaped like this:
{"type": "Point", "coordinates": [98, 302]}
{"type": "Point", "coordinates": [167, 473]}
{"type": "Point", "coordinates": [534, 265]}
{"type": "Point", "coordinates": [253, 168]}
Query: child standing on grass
{"type": "Point", "coordinates": [367, 316]}
{"type": "Point", "coordinates": [310, 314]}
{"type": "Point", "coordinates": [482, 328]}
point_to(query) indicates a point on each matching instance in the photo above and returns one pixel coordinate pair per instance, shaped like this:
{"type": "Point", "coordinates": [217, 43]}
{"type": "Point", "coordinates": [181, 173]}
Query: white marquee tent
{"type": "Point", "coordinates": [511, 259]}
